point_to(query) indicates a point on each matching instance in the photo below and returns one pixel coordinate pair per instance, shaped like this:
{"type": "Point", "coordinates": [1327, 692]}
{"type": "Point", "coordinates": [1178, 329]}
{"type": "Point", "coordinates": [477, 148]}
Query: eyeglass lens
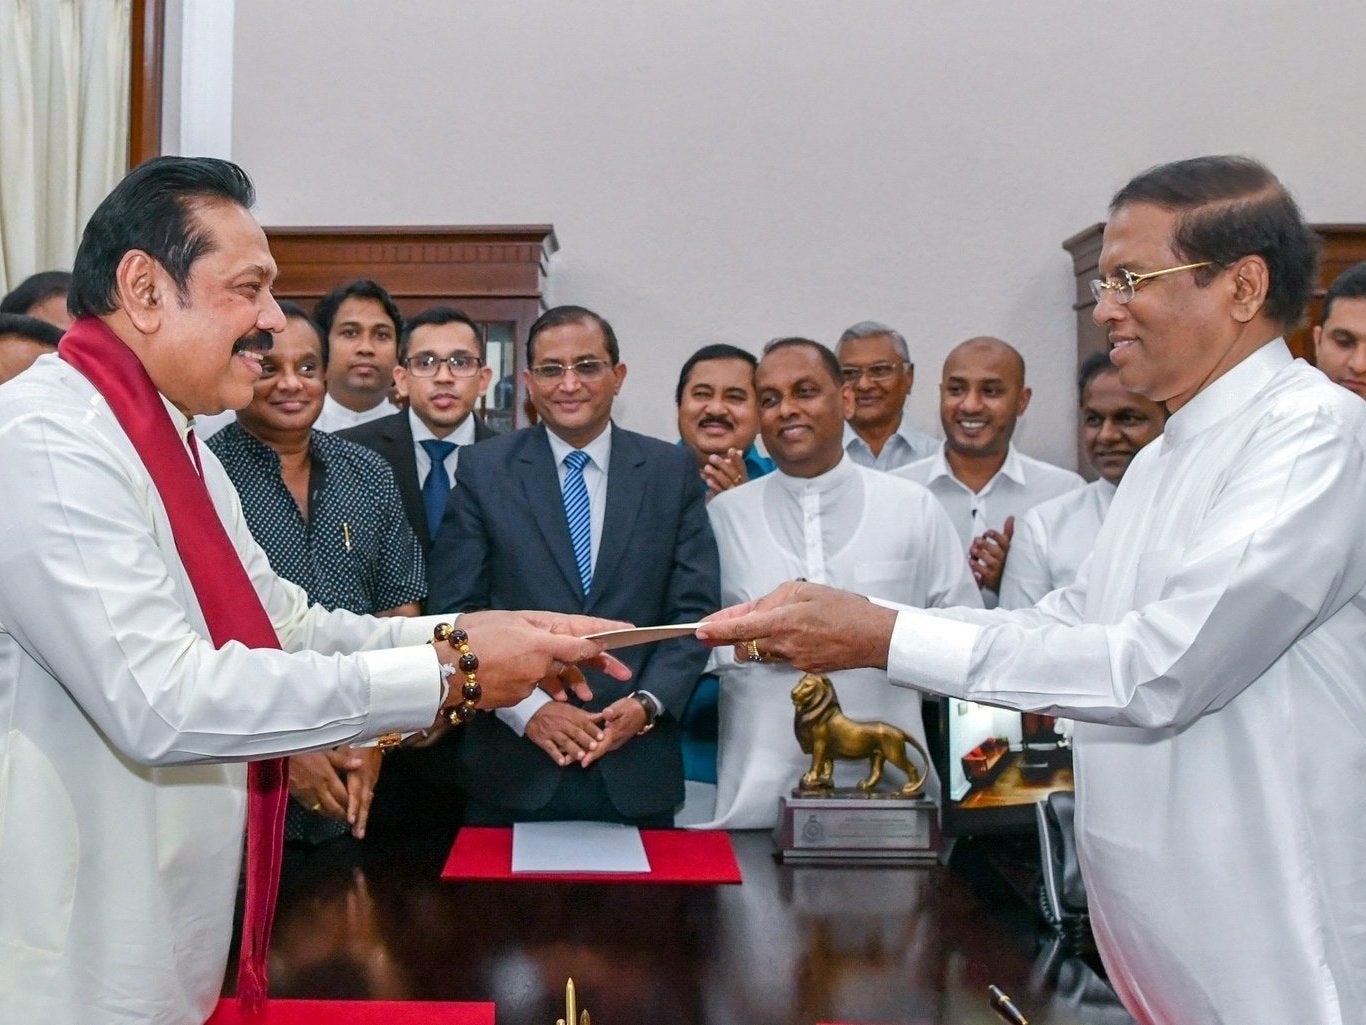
{"type": "Point", "coordinates": [584, 370]}
{"type": "Point", "coordinates": [427, 365]}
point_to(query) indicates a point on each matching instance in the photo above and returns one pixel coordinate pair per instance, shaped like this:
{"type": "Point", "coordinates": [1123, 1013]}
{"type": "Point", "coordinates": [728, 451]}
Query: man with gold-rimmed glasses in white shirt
{"type": "Point", "coordinates": [1214, 646]}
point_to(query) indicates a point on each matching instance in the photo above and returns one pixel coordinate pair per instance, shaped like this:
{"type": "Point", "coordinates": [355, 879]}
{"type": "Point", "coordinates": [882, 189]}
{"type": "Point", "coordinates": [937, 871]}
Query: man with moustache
{"type": "Point", "coordinates": [327, 515]}
{"type": "Point", "coordinates": [876, 363]}
{"type": "Point", "coordinates": [592, 518]}
{"type": "Point", "coordinates": [442, 372]}
{"type": "Point", "coordinates": [981, 478]}
{"type": "Point", "coordinates": [1054, 538]}
{"type": "Point", "coordinates": [1211, 648]}
{"type": "Point", "coordinates": [361, 323]}
{"type": "Point", "coordinates": [150, 651]}
{"type": "Point", "coordinates": [718, 417]}
{"type": "Point", "coordinates": [1340, 341]}
{"type": "Point", "coordinates": [820, 517]}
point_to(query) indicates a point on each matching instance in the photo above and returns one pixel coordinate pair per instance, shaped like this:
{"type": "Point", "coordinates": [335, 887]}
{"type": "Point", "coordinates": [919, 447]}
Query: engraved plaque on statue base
{"type": "Point", "coordinates": [847, 824]}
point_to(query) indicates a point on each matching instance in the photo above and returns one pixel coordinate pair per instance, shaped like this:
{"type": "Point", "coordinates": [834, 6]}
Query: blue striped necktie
{"type": "Point", "coordinates": [580, 516]}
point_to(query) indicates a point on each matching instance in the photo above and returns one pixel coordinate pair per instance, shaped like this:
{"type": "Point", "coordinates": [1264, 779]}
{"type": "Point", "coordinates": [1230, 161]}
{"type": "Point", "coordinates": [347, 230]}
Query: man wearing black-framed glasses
{"type": "Point", "coordinates": [442, 373]}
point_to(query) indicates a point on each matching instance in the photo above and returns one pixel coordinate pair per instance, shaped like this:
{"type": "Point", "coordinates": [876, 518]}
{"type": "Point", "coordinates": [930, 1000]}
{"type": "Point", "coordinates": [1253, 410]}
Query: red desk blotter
{"type": "Point", "coordinates": [356, 1012]}
{"type": "Point", "coordinates": [688, 856]}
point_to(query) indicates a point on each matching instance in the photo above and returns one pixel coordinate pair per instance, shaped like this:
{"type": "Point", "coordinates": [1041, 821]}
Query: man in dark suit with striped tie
{"type": "Point", "coordinates": [586, 516]}
{"type": "Point", "coordinates": [442, 372]}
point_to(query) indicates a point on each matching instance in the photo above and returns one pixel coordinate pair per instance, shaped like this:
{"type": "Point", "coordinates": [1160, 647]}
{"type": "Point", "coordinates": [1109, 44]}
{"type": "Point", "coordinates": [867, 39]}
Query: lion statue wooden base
{"type": "Point", "coordinates": [826, 733]}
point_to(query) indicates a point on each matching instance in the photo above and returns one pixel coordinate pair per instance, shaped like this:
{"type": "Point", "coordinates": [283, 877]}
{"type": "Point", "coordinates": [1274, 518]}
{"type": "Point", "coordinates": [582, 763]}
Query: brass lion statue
{"type": "Point", "coordinates": [826, 733]}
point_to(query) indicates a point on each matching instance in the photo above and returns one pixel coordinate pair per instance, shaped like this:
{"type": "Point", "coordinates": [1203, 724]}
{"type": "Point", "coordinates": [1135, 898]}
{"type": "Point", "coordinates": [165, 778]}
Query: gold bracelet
{"type": "Point", "coordinates": [470, 692]}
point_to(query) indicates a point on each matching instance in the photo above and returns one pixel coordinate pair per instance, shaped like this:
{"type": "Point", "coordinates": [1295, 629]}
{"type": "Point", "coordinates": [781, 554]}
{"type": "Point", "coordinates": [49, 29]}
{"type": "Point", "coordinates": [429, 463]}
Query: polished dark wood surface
{"type": "Point", "coordinates": [790, 946]}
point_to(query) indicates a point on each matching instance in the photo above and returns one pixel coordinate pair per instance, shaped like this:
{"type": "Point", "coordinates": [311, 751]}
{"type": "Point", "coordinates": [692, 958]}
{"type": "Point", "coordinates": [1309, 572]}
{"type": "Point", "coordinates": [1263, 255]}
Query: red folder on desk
{"type": "Point", "coordinates": [357, 1012]}
{"type": "Point", "coordinates": [687, 856]}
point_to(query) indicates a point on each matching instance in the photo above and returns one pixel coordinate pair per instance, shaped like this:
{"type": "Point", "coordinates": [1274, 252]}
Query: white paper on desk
{"type": "Point", "coordinates": [577, 847]}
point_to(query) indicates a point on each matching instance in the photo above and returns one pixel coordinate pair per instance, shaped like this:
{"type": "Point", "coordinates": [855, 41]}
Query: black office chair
{"type": "Point", "coordinates": [1062, 894]}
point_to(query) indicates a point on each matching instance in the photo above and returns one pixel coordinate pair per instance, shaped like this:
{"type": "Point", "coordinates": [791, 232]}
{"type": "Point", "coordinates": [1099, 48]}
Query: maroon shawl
{"type": "Point", "coordinates": [231, 607]}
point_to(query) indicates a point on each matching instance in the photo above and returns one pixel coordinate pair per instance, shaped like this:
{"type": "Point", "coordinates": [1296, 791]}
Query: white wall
{"type": "Point", "coordinates": [732, 171]}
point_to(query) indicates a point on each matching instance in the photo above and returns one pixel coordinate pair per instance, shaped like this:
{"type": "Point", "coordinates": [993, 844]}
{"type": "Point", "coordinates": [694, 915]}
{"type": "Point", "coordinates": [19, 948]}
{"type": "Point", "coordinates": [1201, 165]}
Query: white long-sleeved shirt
{"type": "Point", "coordinates": [122, 783]}
{"type": "Point", "coordinates": [1051, 542]}
{"type": "Point", "coordinates": [850, 527]}
{"type": "Point", "coordinates": [1021, 483]}
{"type": "Point", "coordinates": [1215, 647]}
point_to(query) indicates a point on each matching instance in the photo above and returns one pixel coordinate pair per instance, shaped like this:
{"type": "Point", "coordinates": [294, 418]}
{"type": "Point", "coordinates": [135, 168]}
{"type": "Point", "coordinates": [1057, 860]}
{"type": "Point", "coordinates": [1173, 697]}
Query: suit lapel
{"type": "Point", "coordinates": [625, 492]}
{"type": "Point", "coordinates": [398, 437]}
{"type": "Point", "coordinates": [540, 480]}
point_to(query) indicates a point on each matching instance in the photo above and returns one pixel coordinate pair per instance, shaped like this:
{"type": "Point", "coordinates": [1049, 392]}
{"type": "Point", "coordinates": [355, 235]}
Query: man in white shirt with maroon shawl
{"type": "Point", "coordinates": [147, 649]}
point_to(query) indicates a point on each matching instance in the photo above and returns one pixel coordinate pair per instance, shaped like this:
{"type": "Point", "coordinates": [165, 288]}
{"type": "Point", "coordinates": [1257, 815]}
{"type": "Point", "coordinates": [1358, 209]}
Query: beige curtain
{"type": "Point", "coordinates": [64, 80]}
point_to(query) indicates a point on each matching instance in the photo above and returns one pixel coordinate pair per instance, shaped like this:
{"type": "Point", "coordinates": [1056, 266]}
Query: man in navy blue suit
{"type": "Point", "coordinates": [584, 516]}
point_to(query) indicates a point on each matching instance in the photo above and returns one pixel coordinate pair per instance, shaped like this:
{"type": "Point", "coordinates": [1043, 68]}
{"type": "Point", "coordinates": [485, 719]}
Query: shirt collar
{"type": "Point", "coordinates": [905, 430]}
{"type": "Point", "coordinates": [1013, 469]}
{"type": "Point", "coordinates": [599, 449]}
{"type": "Point", "coordinates": [833, 479]}
{"type": "Point", "coordinates": [1227, 393]}
{"type": "Point", "coordinates": [851, 437]}
{"type": "Point", "coordinates": [462, 435]}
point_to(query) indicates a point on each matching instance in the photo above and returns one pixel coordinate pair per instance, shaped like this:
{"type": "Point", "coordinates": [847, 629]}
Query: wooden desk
{"type": "Point", "coordinates": [790, 946]}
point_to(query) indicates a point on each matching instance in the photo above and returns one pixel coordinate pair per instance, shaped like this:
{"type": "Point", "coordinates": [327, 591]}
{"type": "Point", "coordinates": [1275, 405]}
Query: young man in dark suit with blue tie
{"type": "Point", "coordinates": [442, 372]}
{"type": "Point", "coordinates": [586, 516]}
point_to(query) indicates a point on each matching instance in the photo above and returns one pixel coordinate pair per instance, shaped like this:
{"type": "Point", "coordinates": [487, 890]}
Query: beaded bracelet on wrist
{"type": "Point", "coordinates": [470, 692]}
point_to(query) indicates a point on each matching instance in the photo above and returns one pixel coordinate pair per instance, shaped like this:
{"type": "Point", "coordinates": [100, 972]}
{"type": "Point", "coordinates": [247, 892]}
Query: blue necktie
{"type": "Point", "coordinates": [438, 484]}
{"type": "Point", "coordinates": [580, 516]}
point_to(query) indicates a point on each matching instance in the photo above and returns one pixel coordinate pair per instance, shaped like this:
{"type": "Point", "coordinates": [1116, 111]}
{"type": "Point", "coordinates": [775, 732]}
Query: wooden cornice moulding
{"type": "Point", "coordinates": [477, 261]}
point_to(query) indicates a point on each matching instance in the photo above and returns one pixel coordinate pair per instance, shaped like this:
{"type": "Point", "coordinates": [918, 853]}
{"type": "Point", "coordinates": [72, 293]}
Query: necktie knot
{"type": "Point", "coordinates": [577, 459]}
{"type": "Point", "coordinates": [438, 450]}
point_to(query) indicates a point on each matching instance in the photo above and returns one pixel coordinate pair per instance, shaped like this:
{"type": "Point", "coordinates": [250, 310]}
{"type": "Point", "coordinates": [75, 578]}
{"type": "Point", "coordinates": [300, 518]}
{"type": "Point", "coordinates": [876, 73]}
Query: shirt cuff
{"type": "Point", "coordinates": [517, 716]}
{"type": "Point", "coordinates": [418, 629]}
{"type": "Point", "coordinates": [931, 652]}
{"type": "Point", "coordinates": [405, 689]}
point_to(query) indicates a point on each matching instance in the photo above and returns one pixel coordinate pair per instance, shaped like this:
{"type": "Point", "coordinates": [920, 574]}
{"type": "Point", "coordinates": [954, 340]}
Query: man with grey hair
{"type": "Point", "coordinates": [877, 367]}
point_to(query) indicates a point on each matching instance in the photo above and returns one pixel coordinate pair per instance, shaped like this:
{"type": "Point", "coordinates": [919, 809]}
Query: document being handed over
{"type": "Point", "coordinates": [613, 639]}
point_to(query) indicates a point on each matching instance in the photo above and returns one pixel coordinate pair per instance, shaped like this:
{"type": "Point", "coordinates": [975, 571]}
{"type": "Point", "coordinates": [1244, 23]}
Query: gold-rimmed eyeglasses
{"type": "Point", "coordinates": [876, 372]}
{"type": "Point", "coordinates": [1122, 286]}
{"type": "Point", "coordinates": [584, 370]}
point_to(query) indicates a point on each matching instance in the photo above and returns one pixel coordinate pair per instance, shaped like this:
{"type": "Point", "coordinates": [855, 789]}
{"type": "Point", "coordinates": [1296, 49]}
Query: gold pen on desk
{"type": "Point", "coordinates": [346, 535]}
{"type": "Point", "coordinates": [1005, 1007]}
